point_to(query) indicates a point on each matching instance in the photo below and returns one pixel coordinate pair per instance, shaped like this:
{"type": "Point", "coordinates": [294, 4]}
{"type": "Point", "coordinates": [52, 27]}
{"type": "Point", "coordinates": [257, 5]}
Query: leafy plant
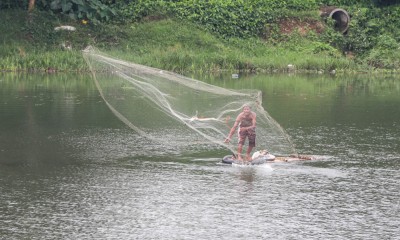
{"type": "Point", "coordinates": [92, 10]}
{"type": "Point", "coordinates": [226, 18]}
{"type": "Point", "coordinates": [137, 10]}
{"type": "Point", "coordinates": [386, 53]}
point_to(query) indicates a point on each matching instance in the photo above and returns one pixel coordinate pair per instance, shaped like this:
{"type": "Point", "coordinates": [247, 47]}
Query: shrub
{"type": "Point", "coordinates": [93, 10]}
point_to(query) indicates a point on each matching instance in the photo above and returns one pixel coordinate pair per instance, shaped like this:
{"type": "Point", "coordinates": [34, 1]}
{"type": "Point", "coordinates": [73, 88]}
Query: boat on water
{"type": "Point", "coordinates": [263, 158]}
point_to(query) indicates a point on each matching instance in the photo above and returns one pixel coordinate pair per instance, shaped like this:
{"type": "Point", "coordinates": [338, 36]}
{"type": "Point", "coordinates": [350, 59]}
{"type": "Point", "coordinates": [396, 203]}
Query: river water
{"type": "Point", "coordinates": [69, 169]}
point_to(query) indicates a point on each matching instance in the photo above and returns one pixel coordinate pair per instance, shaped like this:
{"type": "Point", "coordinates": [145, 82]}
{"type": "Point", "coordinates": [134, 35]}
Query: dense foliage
{"type": "Point", "coordinates": [374, 26]}
{"type": "Point", "coordinates": [373, 36]}
{"type": "Point", "coordinates": [228, 18]}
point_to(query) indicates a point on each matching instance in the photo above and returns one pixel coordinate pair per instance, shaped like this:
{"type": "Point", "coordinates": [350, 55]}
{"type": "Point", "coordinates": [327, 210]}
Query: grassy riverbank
{"type": "Point", "coordinates": [30, 43]}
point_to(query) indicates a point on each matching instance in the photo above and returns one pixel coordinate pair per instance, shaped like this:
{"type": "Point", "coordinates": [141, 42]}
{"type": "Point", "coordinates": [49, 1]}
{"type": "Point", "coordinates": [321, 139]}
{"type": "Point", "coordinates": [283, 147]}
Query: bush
{"type": "Point", "coordinates": [92, 10]}
{"type": "Point", "coordinates": [138, 10]}
{"type": "Point", "coordinates": [386, 54]}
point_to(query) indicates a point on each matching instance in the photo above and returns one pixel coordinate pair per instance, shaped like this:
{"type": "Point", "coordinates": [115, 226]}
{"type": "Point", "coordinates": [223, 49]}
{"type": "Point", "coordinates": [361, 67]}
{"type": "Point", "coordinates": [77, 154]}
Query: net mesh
{"type": "Point", "coordinates": [178, 111]}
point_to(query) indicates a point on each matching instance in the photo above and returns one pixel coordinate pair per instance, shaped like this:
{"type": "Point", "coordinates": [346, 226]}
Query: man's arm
{"type": "Point", "coordinates": [233, 129]}
{"type": "Point", "coordinates": [253, 125]}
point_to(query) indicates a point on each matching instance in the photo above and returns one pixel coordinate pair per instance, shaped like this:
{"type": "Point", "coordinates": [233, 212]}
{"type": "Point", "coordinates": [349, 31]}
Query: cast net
{"type": "Point", "coordinates": [177, 111]}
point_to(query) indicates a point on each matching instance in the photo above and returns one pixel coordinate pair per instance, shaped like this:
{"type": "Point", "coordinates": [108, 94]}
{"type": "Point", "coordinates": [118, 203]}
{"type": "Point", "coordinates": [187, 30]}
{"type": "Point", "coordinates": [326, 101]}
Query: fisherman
{"type": "Point", "coordinates": [246, 121]}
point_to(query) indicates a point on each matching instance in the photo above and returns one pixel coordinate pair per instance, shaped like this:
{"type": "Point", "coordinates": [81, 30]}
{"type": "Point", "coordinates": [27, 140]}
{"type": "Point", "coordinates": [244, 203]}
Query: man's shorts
{"type": "Point", "coordinates": [250, 134]}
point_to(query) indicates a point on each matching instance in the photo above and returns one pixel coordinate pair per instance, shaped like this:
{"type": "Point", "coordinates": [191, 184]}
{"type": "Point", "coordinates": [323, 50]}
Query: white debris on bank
{"type": "Point", "coordinates": [66, 45]}
{"type": "Point", "coordinates": [291, 68]}
{"type": "Point", "coordinates": [66, 28]}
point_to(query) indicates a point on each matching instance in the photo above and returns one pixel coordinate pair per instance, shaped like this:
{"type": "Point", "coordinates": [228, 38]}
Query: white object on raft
{"type": "Point", "coordinates": [262, 154]}
{"type": "Point", "coordinates": [259, 157]}
{"type": "Point", "coordinates": [66, 28]}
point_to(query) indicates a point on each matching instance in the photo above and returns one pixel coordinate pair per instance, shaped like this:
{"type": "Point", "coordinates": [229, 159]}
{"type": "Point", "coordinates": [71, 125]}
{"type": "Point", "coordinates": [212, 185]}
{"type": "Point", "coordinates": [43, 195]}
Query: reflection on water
{"type": "Point", "coordinates": [70, 170]}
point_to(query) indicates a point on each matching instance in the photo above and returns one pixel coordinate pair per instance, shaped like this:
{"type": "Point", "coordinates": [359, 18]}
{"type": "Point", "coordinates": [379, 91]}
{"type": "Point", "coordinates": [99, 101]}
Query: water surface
{"type": "Point", "coordinates": [69, 169]}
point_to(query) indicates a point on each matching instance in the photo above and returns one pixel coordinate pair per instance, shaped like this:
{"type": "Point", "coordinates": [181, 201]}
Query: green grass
{"type": "Point", "coordinates": [167, 44]}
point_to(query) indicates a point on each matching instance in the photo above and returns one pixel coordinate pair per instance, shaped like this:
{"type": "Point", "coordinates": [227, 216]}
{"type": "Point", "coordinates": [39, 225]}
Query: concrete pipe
{"type": "Point", "coordinates": [341, 17]}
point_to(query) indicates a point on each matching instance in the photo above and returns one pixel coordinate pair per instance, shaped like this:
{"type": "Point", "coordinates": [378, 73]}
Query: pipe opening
{"type": "Point", "coordinates": [341, 17]}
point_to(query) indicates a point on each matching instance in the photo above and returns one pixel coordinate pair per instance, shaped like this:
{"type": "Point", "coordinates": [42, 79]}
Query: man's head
{"type": "Point", "coordinates": [246, 108]}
